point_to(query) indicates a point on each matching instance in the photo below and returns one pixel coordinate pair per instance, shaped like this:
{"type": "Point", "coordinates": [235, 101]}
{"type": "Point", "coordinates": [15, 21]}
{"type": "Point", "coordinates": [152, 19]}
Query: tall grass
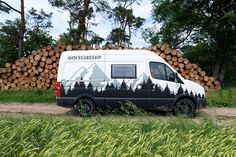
{"type": "Point", "coordinates": [93, 137]}
{"type": "Point", "coordinates": [223, 98]}
{"type": "Point", "coordinates": [28, 96]}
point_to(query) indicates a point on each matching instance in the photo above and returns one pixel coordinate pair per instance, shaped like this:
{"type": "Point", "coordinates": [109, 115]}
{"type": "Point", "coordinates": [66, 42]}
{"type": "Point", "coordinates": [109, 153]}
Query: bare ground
{"type": "Point", "coordinates": [33, 108]}
{"type": "Point", "coordinates": [57, 110]}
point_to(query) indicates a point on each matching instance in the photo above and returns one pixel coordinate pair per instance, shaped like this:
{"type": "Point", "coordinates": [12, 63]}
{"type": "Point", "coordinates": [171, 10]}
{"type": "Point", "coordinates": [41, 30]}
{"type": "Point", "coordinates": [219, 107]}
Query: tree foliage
{"type": "Point", "coordinates": [5, 7]}
{"type": "Point", "coordinates": [36, 36]}
{"type": "Point", "coordinates": [81, 14]}
{"type": "Point", "coordinates": [200, 24]}
{"type": "Point", "coordinates": [9, 35]}
{"type": "Point", "coordinates": [123, 16]}
{"type": "Point", "coordinates": [115, 36]}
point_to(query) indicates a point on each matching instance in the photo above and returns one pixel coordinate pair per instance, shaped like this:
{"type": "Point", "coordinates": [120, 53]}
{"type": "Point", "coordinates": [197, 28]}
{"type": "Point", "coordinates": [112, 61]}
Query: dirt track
{"type": "Point", "coordinates": [33, 108]}
{"type": "Point", "coordinates": [54, 109]}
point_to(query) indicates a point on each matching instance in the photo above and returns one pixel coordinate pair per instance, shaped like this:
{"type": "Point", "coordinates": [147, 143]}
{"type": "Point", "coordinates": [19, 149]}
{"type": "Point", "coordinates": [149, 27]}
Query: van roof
{"type": "Point", "coordinates": [149, 54]}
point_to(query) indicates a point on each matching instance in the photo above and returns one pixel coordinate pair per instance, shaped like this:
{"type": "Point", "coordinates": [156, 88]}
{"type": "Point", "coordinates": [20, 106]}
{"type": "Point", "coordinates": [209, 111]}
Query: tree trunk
{"type": "Point", "coordinates": [83, 21]}
{"type": "Point", "coordinates": [129, 36]}
{"type": "Point", "coordinates": [22, 31]}
{"type": "Point", "coordinates": [218, 71]}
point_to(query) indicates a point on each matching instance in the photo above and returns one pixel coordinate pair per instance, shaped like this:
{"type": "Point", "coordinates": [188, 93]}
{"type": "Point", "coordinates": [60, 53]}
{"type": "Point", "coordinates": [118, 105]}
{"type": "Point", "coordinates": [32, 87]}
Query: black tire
{"type": "Point", "coordinates": [85, 107]}
{"type": "Point", "coordinates": [185, 107]}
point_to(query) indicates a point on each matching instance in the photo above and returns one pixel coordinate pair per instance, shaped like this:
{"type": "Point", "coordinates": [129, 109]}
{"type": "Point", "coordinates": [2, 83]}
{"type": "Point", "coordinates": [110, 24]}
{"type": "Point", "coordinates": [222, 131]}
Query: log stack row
{"type": "Point", "coordinates": [39, 70]}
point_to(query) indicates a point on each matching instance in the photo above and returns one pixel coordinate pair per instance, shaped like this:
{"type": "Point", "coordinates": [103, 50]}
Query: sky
{"type": "Point", "coordinates": [60, 19]}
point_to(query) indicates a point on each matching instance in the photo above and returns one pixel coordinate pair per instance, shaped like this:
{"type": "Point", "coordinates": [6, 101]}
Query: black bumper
{"type": "Point", "coordinates": [66, 101]}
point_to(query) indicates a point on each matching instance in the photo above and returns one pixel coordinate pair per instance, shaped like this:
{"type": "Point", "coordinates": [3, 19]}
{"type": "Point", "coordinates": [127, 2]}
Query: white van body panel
{"type": "Point", "coordinates": [93, 68]}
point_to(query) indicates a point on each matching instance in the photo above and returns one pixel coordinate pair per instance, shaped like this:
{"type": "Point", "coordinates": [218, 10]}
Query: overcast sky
{"type": "Point", "coordinates": [60, 24]}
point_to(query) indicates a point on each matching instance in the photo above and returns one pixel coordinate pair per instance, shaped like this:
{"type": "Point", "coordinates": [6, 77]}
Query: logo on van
{"type": "Point", "coordinates": [89, 57]}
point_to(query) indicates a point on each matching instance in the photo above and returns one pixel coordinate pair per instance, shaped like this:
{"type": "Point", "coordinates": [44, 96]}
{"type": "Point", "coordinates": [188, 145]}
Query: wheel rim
{"type": "Point", "coordinates": [183, 108]}
{"type": "Point", "coordinates": [85, 108]}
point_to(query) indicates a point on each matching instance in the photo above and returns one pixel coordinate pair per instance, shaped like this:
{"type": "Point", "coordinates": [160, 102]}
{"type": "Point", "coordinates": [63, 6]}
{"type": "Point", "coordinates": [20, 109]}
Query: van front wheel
{"type": "Point", "coordinates": [85, 107]}
{"type": "Point", "coordinates": [185, 107]}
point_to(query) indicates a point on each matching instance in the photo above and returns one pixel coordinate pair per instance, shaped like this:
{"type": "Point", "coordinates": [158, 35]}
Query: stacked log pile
{"type": "Point", "coordinates": [39, 70]}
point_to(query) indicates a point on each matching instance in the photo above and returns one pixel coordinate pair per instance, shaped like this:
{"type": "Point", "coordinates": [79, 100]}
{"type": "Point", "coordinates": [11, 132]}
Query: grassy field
{"type": "Point", "coordinates": [28, 96]}
{"type": "Point", "coordinates": [114, 136]}
{"type": "Point", "coordinates": [223, 98]}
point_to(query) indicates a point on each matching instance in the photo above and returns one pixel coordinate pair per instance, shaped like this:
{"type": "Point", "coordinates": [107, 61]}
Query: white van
{"type": "Point", "coordinates": [107, 78]}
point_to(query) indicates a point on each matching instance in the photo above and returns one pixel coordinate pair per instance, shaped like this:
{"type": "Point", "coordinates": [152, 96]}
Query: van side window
{"type": "Point", "coordinates": [161, 71]}
{"type": "Point", "coordinates": [123, 71]}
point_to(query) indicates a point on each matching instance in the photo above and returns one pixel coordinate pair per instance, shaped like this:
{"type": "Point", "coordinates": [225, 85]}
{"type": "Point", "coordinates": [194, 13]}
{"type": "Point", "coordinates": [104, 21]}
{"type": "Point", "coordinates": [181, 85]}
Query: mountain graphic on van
{"type": "Point", "coordinates": [147, 90]}
{"type": "Point", "coordinates": [93, 72]}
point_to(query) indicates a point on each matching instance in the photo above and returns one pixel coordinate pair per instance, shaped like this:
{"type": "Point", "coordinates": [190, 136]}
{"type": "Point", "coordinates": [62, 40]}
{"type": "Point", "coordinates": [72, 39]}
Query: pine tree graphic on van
{"type": "Point", "coordinates": [147, 88]}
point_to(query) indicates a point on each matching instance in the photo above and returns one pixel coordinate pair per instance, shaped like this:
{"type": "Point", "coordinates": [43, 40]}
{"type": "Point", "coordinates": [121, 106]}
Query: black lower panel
{"type": "Point", "coordinates": [114, 102]}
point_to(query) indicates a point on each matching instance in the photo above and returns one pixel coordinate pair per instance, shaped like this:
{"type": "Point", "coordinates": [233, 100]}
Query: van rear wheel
{"type": "Point", "coordinates": [185, 107]}
{"type": "Point", "coordinates": [85, 107]}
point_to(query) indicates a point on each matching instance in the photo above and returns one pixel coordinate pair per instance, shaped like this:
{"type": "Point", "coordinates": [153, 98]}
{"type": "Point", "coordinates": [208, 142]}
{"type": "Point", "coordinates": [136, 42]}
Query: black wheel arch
{"type": "Point", "coordinates": [179, 97]}
{"type": "Point", "coordinates": [84, 96]}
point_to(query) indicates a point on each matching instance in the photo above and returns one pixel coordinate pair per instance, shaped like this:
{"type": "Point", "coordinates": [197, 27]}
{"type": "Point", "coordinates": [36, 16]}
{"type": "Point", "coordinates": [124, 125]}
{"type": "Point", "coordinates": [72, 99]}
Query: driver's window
{"type": "Point", "coordinates": [161, 71]}
{"type": "Point", "coordinates": [158, 71]}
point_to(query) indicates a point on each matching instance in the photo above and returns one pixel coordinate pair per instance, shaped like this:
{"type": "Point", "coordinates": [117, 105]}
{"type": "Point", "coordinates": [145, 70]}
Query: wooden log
{"type": "Point", "coordinates": [58, 55]}
{"type": "Point", "coordinates": [208, 83]}
{"type": "Point", "coordinates": [7, 65]}
{"type": "Point", "coordinates": [35, 63]}
{"type": "Point", "coordinates": [216, 82]}
{"type": "Point", "coordinates": [175, 63]}
{"type": "Point", "coordinates": [45, 53]}
{"type": "Point", "coordinates": [171, 62]}
{"type": "Point", "coordinates": [51, 53]}
{"type": "Point", "coordinates": [202, 73]}
{"type": "Point", "coordinates": [48, 61]}
{"type": "Point", "coordinates": [154, 48]}
{"type": "Point", "coordinates": [178, 54]}
{"type": "Point", "coordinates": [173, 52]}
{"type": "Point", "coordinates": [181, 65]}
{"type": "Point", "coordinates": [195, 66]}
{"type": "Point", "coordinates": [199, 70]}
{"type": "Point", "coordinates": [167, 51]}
{"type": "Point", "coordinates": [83, 47]}
{"type": "Point", "coordinates": [196, 77]}
{"type": "Point", "coordinates": [97, 46]}
{"type": "Point", "coordinates": [180, 59]}
{"type": "Point", "coordinates": [186, 61]}
{"type": "Point", "coordinates": [206, 78]}
{"type": "Point", "coordinates": [28, 65]}
{"type": "Point", "coordinates": [54, 58]}
{"type": "Point", "coordinates": [42, 64]}
{"type": "Point", "coordinates": [158, 52]}
{"type": "Point", "coordinates": [158, 46]}
{"type": "Point", "coordinates": [188, 66]}
{"type": "Point", "coordinates": [69, 48]}
{"type": "Point", "coordinates": [174, 59]}
{"type": "Point", "coordinates": [163, 55]}
{"type": "Point", "coordinates": [3, 70]}
{"type": "Point", "coordinates": [49, 48]}
{"type": "Point", "coordinates": [36, 58]}
{"type": "Point", "coordinates": [163, 47]}
{"type": "Point", "coordinates": [168, 57]}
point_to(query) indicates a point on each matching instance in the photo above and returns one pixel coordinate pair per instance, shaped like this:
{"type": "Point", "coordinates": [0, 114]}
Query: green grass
{"type": "Point", "coordinates": [28, 96]}
{"type": "Point", "coordinates": [111, 136]}
{"type": "Point", "coordinates": [223, 98]}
